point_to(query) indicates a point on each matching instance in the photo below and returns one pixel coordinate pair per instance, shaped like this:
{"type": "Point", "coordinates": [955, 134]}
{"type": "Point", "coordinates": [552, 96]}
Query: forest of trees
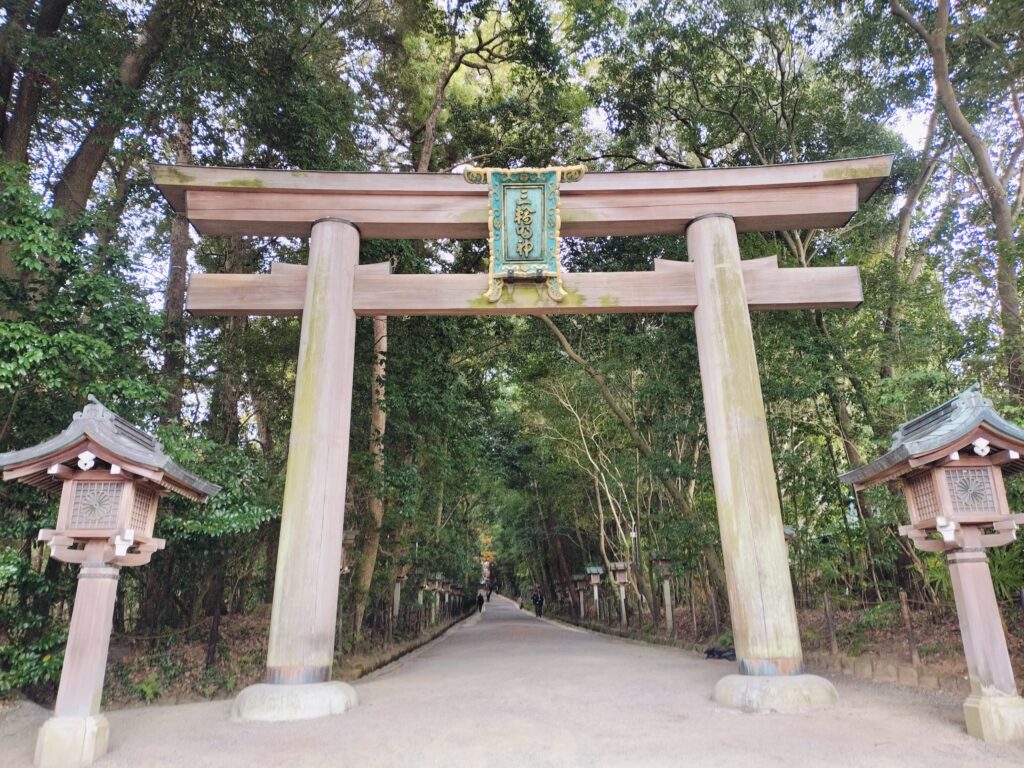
{"type": "Point", "coordinates": [540, 444]}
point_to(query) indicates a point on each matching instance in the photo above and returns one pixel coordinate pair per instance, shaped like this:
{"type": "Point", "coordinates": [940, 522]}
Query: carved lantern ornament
{"type": "Point", "coordinates": [110, 475]}
{"type": "Point", "coordinates": [951, 462]}
{"type": "Point", "coordinates": [595, 572]}
{"type": "Point", "coordinates": [523, 222]}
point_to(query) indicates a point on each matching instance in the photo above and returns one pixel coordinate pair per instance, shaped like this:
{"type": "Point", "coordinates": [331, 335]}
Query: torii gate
{"type": "Point", "coordinates": [710, 206]}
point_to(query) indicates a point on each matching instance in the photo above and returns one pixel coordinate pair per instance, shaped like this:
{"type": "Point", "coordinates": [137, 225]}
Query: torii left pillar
{"type": "Point", "coordinates": [304, 615]}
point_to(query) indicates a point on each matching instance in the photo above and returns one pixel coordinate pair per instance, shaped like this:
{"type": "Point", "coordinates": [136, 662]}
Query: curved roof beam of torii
{"type": "Point", "coordinates": [239, 201]}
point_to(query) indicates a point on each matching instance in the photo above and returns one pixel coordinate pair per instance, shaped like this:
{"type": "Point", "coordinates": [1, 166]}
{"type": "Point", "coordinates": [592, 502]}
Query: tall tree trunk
{"type": "Point", "coordinates": [227, 390]}
{"type": "Point", "coordinates": [11, 34]}
{"type": "Point", "coordinates": [378, 423]}
{"type": "Point", "coordinates": [930, 157]}
{"type": "Point", "coordinates": [218, 607]}
{"type": "Point", "coordinates": [547, 518]}
{"type": "Point", "coordinates": [73, 188]}
{"type": "Point", "coordinates": [25, 107]}
{"type": "Point", "coordinates": [995, 192]}
{"type": "Point", "coordinates": [175, 330]}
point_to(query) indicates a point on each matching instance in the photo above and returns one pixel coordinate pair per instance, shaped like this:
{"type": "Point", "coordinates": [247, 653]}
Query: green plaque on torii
{"type": "Point", "coordinates": [523, 222]}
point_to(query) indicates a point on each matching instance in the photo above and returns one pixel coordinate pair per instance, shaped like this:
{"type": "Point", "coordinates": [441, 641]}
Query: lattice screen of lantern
{"type": "Point", "coordinates": [971, 490]}
{"type": "Point", "coordinates": [926, 502]}
{"type": "Point", "coordinates": [143, 512]}
{"type": "Point", "coordinates": [95, 505]}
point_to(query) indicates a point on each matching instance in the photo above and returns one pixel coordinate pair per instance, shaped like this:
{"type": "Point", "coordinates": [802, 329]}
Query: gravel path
{"type": "Point", "coordinates": [506, 689]}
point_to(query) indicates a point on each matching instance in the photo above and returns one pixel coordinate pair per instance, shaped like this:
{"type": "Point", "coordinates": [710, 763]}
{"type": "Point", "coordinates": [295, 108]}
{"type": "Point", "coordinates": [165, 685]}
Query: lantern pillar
{"type": "Point", "coordinates": [396, 605]}
{"type": "Point", "coordinates": [756, 564]}
{"type": "Point", "coordinates": [993, 710]}
{"type": "Point", "coordinates": [666, 589]}
{"type": "Point", "coordinates": [304, 614]}
{"type": "Point", "coordinates": [77, 733]}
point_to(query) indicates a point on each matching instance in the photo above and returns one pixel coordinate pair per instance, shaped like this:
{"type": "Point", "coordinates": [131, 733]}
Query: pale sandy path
{"type": "Point", "coordinates": [509, 690]}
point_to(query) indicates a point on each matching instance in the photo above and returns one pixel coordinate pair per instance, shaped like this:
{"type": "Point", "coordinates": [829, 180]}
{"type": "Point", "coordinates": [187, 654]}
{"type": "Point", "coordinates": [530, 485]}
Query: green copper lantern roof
{"type": "Point", "coordinates": [948, 427]}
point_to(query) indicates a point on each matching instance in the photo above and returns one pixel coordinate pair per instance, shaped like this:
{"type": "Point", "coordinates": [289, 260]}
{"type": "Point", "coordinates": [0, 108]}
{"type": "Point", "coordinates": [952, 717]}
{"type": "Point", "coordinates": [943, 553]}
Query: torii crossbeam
{"type": "Point", "coordinates": [710, 206]}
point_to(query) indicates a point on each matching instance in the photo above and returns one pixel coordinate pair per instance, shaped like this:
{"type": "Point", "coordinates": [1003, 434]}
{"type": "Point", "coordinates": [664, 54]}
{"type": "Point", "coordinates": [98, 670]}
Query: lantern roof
{"type": "Point", "coordinates": [932, 437]}
{"type": "Point", "coordinates": [113, 440]}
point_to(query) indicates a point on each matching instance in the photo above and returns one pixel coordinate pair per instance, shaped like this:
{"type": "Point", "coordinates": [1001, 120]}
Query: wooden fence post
{"type": "Point", "coordinates": [830, 623]}
{"type": "Point", "coordinates": [915, 658]}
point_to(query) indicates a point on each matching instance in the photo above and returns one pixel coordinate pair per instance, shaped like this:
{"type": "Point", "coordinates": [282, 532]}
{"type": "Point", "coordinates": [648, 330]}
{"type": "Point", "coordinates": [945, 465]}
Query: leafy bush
{"type": "Point", "coordinates": [31, 643]}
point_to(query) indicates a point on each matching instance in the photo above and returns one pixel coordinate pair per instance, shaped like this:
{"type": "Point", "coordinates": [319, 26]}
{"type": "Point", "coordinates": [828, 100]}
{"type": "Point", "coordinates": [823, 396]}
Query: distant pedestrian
{"type": "Point", "coordinates": [488, 594]}
{"type": "Point", "coordinates": [479, 603]}
{"type": "Point", "coordinates": [538, 602]}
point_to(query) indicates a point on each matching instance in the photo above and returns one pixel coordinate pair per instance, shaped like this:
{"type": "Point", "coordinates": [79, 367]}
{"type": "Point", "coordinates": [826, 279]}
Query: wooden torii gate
{"type": "Point", "coordinates": [710, 206]}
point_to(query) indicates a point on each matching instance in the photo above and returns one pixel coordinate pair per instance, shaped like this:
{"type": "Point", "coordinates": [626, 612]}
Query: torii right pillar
{"type": "Point", "coordinates": [771, 675]}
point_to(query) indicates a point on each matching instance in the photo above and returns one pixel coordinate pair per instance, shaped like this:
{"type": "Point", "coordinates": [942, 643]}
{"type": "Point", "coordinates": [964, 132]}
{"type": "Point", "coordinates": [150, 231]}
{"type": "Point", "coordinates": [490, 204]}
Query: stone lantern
{"type": "Point", "coordinates": [620, 572]}
{"type": "Point", "coordinates": [664, 566]}
{"type": "Point", "coordinates": [110, 476]}
{"type": "Point", "coordinates": [579, 582]}
{"type": "Point", "coordinates": [348, 544]}
{"type": "Point", "coordinates": [951, 463]}
{"type": "Point", "coordinates": [595, 572]}
{"type": "Point", "coordinates": [400, 577]}
{"type": "Point", "coordinates": [434, 585]}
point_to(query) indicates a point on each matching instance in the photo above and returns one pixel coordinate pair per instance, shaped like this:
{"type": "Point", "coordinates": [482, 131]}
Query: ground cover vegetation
{"type": "Point", "coordinates": [542, 445]}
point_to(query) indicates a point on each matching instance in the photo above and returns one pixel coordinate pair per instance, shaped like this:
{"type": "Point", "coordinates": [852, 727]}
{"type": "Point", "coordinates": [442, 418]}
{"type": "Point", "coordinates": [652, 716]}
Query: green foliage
{"type": "Point", "coordinates": [149, 687]}
{"type": "Point", "coordinates": [242, 505]}
{"type": "Point", "coordinates": [1007, 566]}
{"type": "Point", "coordinates": [31, 645]}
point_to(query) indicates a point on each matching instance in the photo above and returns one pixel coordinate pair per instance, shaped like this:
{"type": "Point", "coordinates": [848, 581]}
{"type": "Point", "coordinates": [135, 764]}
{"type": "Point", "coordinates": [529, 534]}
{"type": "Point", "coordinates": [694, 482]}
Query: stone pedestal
{"type": "Point", "coordinates": [71, 742]}
{"type": "Point", "coordinates": [304, 614]}
{"type": "Point", "coordinates": [303, 701]}
{"type": "Point", "coordinates": [775, 693]}
{"type": "Point", "coordinates": [995, 717]}
{"type": "Point", "coordinates": [750, 520]}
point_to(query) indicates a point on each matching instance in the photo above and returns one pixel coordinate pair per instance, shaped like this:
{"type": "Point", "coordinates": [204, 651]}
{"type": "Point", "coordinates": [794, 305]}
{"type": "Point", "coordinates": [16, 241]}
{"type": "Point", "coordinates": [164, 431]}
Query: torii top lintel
{"type": "Point", "coordinates": [239, 201]}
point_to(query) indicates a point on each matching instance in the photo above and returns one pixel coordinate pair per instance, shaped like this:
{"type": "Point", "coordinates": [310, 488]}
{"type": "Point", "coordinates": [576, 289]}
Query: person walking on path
{"type": "Point", "coordinates": [479, 603]}
{"type": "Point", "coordinates": [538, 602]}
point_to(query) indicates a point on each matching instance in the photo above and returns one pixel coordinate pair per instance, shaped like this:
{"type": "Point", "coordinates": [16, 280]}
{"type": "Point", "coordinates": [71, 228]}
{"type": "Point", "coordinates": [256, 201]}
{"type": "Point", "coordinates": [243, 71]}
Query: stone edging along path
{"type": "Point", "coordinates": [889, 670]}
{"type": "Point", "coordinates": [866, 667]}
{"type": "Point", "coordinates": [398, 651]}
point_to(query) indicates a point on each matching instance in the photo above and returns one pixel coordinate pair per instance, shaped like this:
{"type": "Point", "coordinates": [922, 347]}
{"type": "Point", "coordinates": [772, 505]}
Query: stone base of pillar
{"type": "Point", "coordinates": [998, 719]}
{"type": "Point", "coordinates": [775, 693]}
{"type": "Point", "coordinates": [272, 702]}
{"type": "Point", "coordinates": [71, 742]}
